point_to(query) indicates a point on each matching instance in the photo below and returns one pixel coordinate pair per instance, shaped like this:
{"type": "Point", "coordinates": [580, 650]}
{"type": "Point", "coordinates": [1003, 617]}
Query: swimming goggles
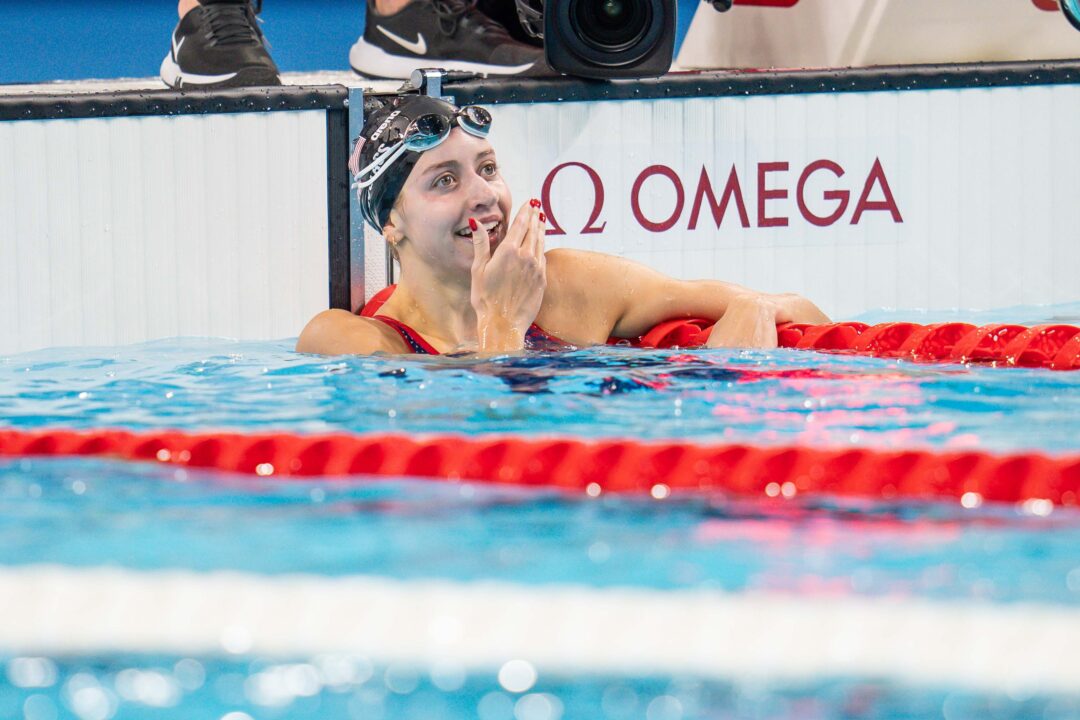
{"type": "Point", "coordinates": [424, 133]}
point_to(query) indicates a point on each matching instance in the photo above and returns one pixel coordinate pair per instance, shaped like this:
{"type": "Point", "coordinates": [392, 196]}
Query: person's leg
{"type": "Point", "coordinates": [186, 6]}
{"type": "Point", "coordinates": [403, 35]}
{"type": "Point", "coordinates": [390, 7]}
{"type": "Point", "coordinates": [218, 44]}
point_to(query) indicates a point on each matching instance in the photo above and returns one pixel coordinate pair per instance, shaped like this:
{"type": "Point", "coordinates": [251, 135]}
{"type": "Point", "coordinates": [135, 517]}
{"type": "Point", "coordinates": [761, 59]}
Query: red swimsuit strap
{"type": "Point", "coordinates": [414, 340]}
{"type": "Point", "coordinates": [536, 335]}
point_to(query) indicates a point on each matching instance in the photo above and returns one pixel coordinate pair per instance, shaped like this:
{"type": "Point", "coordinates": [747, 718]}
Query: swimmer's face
{"type": "Point", "coordinates": [449, 184]}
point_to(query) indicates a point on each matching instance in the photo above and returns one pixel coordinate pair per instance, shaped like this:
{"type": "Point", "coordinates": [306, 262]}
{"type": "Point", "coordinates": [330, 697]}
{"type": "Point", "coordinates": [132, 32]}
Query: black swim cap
{"type": "Point", "coordinates": [385, 123]}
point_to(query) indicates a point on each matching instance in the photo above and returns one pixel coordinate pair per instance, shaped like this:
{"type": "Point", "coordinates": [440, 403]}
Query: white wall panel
{"type": "Point", "coordinates": [160, 232]}
{"type": "Point", "coordinates": [131, 274]}
{"type": "Point", "coordinates": [27, 216]}
{"type": "Point", "coordinates": [1060, 124]}
{"type": "Point", "coordinates": [126, 229]}
{"type": "Point", "coordinates": [980, 178]}
{"type": "Point", "coordinates": [9, 248]}
{"type": "Point", "coordinates": [100, 192]}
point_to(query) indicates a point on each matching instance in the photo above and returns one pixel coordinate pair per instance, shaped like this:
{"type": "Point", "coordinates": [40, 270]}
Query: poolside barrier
{"type": "Point", "coordinates": [659, 469]}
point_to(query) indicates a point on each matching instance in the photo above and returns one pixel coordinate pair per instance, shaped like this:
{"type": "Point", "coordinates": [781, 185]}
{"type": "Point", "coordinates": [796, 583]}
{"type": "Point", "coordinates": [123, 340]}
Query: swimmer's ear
{"type": "Point", "coordinates": [391, 232]}
{"type": "Point", "coordinates": [395, 218]}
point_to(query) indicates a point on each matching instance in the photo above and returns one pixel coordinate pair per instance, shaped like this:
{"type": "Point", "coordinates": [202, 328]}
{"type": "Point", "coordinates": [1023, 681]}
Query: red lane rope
{"type": "Point", "coordinates": [658, 468]}
{"type": "Point", "coordinates": [1056, 347]}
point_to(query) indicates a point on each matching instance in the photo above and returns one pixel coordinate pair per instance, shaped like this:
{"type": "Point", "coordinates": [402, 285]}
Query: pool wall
{"type": "Point", "coordinates": [225, 214]}
{"type": "Point", "coordinates": [921, 187]}
{"type": "Point", "coordinates": [932, 187]}
{"type": "Point", "coordinates": [938, 199]}
{"type": "Point", "coordinates": [126, 217]}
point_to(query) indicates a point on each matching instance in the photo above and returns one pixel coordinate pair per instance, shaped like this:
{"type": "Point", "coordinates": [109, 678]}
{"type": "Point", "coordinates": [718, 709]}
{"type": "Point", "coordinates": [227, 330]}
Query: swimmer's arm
{"type": "Point", "coordinates": [632, 298]}
{"type": "Point", "coordinates": [625, 298]}
{"type": "Point", "coordinates": [339, 332]}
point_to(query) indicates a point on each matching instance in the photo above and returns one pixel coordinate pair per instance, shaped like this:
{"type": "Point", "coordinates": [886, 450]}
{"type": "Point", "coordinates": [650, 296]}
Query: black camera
{"type": "Point", "coordinates": [609, 38]}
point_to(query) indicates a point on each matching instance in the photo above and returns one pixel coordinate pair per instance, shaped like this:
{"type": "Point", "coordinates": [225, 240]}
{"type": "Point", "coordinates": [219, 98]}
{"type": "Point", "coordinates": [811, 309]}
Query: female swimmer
{"type": "Point", "coordinates": [475, 278]}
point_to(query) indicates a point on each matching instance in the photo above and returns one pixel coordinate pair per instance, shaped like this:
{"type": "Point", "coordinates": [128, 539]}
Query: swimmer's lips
{"type": "Point", "coordinates": [494, 228]}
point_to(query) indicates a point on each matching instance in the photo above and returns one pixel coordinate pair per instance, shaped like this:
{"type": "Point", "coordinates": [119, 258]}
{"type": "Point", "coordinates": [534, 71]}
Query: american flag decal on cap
{"type": "Point", "coordinates": [354, 158]}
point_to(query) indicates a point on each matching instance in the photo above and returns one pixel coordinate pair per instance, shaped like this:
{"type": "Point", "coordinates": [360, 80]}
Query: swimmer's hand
{"type": "Point", "coordinates": [508, 285]}
{"type": "Point", "coordinates": [748, 322]}
{"type": "Point", "coordinates": [750, 319]}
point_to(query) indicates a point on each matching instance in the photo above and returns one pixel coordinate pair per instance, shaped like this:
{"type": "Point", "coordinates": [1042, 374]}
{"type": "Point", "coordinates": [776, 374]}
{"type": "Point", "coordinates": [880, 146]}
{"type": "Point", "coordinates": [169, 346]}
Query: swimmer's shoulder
{"type": "Point", "coordinates": [577, 275]}
{"type": "Point", "coordinates": [572, 269]}
{"type": "Point", "coordinates": [566, 276]}
{"type": "Point", "coordinates": [340, 332]}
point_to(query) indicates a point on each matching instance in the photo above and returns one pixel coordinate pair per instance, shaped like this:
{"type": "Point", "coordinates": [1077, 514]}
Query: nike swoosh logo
{"type": "Point", "coordinates": [194, 79]}
{"type": "Point", "coordinates": [419, 47]}
{"type": "Point", "coordinates": [184, 78]}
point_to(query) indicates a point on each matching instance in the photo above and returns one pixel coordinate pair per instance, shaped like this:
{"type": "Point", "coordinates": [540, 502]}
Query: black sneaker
{"type": "Point", "coordinates": [219, 45]}
{"type": "Point", "coordinates": [448, 34]}
{"type": "Point", "coordinates": [505, 12]}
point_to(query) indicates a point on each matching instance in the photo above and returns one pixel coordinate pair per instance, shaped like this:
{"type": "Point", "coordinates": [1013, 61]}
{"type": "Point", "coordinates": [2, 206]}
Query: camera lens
{"type": "Point", "coordinates": [611, 25]}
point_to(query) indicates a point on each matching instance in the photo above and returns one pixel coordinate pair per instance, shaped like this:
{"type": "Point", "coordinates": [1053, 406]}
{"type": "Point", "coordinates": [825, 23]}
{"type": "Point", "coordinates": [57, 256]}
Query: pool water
{"type": "Point", "coordinates": [776, 397]}
{"type": "Point", "coordinates": [92, 513]}
{"type": "Point", "coordinates": [141, 688]}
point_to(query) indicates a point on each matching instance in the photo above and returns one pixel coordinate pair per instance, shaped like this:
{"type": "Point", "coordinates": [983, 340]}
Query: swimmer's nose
{"type": "Point", "coordinates": [481, 194]}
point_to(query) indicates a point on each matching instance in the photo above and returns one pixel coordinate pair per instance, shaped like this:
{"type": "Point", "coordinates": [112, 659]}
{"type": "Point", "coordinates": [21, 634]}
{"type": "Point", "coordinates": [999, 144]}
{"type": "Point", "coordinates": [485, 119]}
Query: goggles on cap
{"type": "Point", "coordinates": [424, 133]}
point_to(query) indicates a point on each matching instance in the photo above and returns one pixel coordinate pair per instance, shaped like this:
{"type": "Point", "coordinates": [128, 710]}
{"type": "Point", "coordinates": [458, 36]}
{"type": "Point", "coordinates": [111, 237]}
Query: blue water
{"type": "Point", "coordinates": [147, 517]}
{"type": "Point", "coordinates": [95, 512]}
{"type": "Point", "coordinates": [92, 513]}
{"type": "Point", "coordinates": [776, 397]}
{"type": "Point", "coordinates": [343, 688]}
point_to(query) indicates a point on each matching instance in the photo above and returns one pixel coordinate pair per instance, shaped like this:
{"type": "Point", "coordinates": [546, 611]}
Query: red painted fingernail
{"type": "Point", "coordinates": [542, 218]}
{"type": "Point", "coordinates": [473, 224]}
{"type": "Point", "coordinates": [535, 203]}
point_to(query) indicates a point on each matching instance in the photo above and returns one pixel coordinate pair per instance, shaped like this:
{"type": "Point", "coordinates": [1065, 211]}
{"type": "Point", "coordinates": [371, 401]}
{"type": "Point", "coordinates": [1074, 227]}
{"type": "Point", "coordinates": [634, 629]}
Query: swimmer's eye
{"type": "Point", "coordinates": [444, 181]}
{"type": "Point", "coordinates": [489, 169]}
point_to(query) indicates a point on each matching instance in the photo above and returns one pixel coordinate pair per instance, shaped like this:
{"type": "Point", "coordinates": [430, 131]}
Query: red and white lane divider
{"type": "Point", "coordinates": [591, 466]}
{"type": "Point", "coordinates": [1016, 648]}
{"type": "Point", "coordinates": [1054, 347]}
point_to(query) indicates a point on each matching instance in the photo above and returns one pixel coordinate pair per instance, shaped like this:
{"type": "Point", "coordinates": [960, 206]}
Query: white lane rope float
{"type": "Point", "coordinates": [61, 611]}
